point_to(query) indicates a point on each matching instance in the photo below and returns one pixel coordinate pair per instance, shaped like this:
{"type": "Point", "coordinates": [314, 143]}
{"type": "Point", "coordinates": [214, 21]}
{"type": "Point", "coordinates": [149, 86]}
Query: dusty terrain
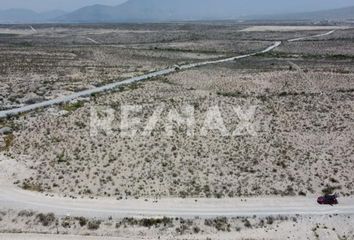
{"type": "Point", "coordinates": [301, 141]}
{"type": "Point", "coordinates": [278, 28]}
{"type": "Point", "coordinates": [290, 227]}
{"type": "Point", "coordinates": [303, 123]}
{"type": "Point", "coordinates": [57, 61]}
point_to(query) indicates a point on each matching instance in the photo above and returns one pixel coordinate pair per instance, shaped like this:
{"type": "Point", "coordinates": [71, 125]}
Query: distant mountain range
{"type": "Point", "coordinates": [177, 10]}
{"type": "Point", "coordinates": [174, 10]}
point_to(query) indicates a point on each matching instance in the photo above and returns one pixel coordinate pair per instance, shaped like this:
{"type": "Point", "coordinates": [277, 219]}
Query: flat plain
{"type": "Point", "coordinates": [302, 94]}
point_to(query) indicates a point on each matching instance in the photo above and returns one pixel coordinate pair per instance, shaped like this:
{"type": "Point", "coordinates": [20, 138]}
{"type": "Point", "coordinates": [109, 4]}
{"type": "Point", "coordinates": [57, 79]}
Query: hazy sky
{"type": "Point", "coordinates": [44, 5]}
{"type": "Point", "coordinates": [68, 5]}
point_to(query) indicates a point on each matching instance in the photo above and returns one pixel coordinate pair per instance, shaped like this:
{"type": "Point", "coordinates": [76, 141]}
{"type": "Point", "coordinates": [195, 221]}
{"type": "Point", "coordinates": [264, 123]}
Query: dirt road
{"type": "Point", "coordinates": [14, 198]}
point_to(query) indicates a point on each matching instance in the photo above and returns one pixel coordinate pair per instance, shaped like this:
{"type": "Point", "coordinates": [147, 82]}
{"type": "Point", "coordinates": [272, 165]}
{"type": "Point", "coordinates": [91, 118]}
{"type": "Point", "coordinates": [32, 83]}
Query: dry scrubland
{"type": "Point", "coordinates": [337, 46]}
{"type": "Point", "coordinates": [290, 227]}
{"type": "Point", "coordinates": [279, 28]}
{"type": "Point", "coordinates": [53, 61]}
{"type": "Point", "coordinates": [304, 117]}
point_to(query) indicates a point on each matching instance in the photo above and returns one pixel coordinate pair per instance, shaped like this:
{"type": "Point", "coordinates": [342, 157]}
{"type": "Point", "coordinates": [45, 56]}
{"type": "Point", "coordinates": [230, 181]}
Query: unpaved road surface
{"type": "Point", "coordinates": [305, 38]}
{"type": "Point", "coordinates": [14, 198]}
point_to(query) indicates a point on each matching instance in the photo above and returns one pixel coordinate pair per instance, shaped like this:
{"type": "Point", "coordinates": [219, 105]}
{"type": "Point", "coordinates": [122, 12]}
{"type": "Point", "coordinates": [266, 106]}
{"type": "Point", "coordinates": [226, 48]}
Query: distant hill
{"type": "Point", "coordinates": [156, 10]}
{"type": "Point", "coordinates": [184, 10]}
{"type": "Point", "coordinates": [27, 16]}
{"type": "Point", "coordinates": [95, 13]}
{"type": "Point", "coordinates": [174, 10]}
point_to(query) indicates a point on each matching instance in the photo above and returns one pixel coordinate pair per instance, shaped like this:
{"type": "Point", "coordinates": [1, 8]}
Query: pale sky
{"type": "Point", "coordinates": [45, 5]}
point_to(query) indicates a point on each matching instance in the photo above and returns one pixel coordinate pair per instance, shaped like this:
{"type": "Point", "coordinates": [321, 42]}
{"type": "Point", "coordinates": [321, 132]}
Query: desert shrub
{"type": "Point", "coordinates": [71, 107]}
{"type": "Point", "coordinates": [146, 222]}
{"type": "Point", "coordinates": [333, 180]}
{"type": "Point", "coordinates": [82, 221]}
{"type": "Point", "coordinates": [183, 194]}
{"type": "Point", "coordinates": [329, 189]}
{"type": "Point", "coordinates": [184, 226]}
{"type": "Point", "coordinates": [270, 220]}
{"type": "Point", "coordinates": [290, 191]}
{"type": "Point", "coordinates": [2, 214]}
{"type": "Point", "coordinates": [155, 222]}
{"type": "Point", "coordinates": [61, 157]}
{"type": "Point", "coordinates": [25, 213]}
{"type": "Point", "coordinates": [65, 224]}
{"type": "Point", "coordinates": [94, 225]}
{"type": "Point", "coordinates": [247, 223]}
{"type": "Point", "coordinates": [231, 94]}
{"type": "Point", "coordinates": [196, 229]}
{"type": "Point", "coordinates": [8, 140]}
{"type": "Point", "coordinates": [46, 219]}
{"type": "Point", "coordinates": [221, 224]}
{"type": "Point", "coordinates": [36, 187]}
{"type": "Point", "coordinates": [301, 193]}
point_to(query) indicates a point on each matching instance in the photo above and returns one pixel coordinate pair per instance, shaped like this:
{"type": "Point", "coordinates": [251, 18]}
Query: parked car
{"type": "Point", "coordinates": [328, 200]}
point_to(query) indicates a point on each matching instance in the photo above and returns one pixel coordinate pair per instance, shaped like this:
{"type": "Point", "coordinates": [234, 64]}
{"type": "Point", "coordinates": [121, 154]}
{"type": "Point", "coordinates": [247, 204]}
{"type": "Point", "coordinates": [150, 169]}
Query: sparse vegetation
{"type": "Point", "coordinates": [48, 223]}
{"type": "Point", "coordinates": [146, 222]}
{"type": "Point", "coordinates": [94, 224]}
{"type": "Point", "coordinates": [36, 187]}
{"type": "Point", "coordinates": [289, 118]}
{"type": "Point", "coordinates": [221, 224]}
{"type": "Point", "coordinates": [46, 219]}
{"type": "Point", "coordinates": [71, 107]}
{"type": "Point", "coordinates": [303, 93]}
{"type": "Point", "coordinates": [8, 142]}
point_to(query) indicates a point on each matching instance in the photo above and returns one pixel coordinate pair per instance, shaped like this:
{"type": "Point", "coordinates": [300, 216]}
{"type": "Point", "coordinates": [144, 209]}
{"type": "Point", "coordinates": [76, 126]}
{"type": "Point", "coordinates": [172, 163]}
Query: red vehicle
{"type": "Point", "coordinates": [328, 200]}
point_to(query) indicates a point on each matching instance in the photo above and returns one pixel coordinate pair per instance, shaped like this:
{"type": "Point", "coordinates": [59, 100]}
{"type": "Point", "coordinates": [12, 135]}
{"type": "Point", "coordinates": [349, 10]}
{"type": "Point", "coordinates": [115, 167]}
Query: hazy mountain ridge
{"type": "Point", "coordinates": [152, 10]}
{"type": "Point", "coordinates": [171, 10]}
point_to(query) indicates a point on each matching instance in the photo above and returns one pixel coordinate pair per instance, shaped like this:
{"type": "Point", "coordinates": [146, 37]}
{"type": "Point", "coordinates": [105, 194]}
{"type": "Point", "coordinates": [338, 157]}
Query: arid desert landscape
{"type": "Point", "coordinates": [277, 124]}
